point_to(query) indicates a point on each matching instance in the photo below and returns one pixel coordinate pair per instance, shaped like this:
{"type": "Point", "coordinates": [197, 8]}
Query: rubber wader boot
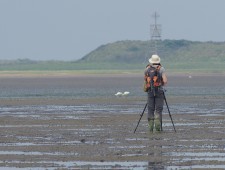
{"type": "Point", "coordinates": [151, 124]}
{"type": "Point", "coordinates": [158, 125]}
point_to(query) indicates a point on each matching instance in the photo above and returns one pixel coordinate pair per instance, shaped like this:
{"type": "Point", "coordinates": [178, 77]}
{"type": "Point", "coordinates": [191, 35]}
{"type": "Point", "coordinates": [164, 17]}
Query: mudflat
{"type": "Point", "coordinates": [42, 130]}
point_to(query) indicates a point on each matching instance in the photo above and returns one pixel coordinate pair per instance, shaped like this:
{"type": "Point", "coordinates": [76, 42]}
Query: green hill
{"type": "Point", "coordinates": [175, 54]}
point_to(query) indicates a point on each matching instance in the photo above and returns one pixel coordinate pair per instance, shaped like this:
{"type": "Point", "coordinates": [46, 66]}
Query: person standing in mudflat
{"type": "Point", "coordinates": [155, 78]}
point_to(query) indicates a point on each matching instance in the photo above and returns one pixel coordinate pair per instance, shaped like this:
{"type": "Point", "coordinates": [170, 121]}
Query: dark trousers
{"type": "Point", "coordinates": [155, 104]}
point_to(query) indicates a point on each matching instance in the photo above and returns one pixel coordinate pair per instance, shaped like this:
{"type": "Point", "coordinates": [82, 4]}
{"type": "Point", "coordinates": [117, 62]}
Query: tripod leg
{"type": "Point", "coordinates": [169, 111]}
{"type": "Point", "coordinates": [140, 117]}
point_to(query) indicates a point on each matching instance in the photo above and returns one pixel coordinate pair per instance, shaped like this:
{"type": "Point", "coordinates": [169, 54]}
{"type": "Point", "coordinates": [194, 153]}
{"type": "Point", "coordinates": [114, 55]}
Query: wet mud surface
{"type": "Point", "coordinates": [98, 133]}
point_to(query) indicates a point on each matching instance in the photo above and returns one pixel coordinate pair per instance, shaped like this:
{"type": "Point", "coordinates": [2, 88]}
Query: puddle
{"type": "Point", "coordinates": [113, 165]}
{"type": "Point", "coordinates": [19, 144]}
{"type": "Point", "coordinates": [88, 130]}
{"type": "Point", "coordinates": [134, 155]}
{"type": "Point", "coordinates": [50, 143]}
{"type": "Point", "coordinates": [21, 126]}
{"type": "Point", "coordinates": [127, 147]}
{"type": "Point", "coordinates": [187, 157]}
{"type": "Point", "coordinates": [84, 165]}
{"type": "Point", "coordinates": [197, 154]}
{"type": "Point", "coordinates": [35, 153]}
{"type": "Point", "coordinates": [196, 167]}
{"type": "Point", "coordinates": [182, 124]}
{"type": "Point", "coordinates": [214, 158]}
{"type": "Point", "coordinates": [30, 168]}
{"type": "Point", "coordinates": [137, 139]}
{"type": "Point", "coordinates": [112, 141]}
{"type": "Point", "coordinates": [205, 146]}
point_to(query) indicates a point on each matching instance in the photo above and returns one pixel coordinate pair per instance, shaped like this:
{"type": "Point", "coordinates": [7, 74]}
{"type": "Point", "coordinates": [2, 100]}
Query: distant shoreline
{"type": "Point", "coordinates": [96, 73]}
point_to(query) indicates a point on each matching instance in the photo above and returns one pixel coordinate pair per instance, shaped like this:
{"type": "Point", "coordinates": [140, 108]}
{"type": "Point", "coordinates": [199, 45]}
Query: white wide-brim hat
{"type": "Point", "coordinates": [154, 59]}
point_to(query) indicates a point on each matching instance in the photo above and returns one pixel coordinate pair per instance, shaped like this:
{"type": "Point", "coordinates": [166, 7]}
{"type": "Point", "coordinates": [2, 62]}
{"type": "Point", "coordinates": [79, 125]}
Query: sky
{"type": "Point", "coordinates": [70, 29]}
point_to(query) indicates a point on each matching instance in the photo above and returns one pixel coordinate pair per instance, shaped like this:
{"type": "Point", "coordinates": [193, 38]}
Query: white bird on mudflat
{"type": "Point", "coordinates": [126, 93]}
{"type": "Point", "coordinates": [119, 94]}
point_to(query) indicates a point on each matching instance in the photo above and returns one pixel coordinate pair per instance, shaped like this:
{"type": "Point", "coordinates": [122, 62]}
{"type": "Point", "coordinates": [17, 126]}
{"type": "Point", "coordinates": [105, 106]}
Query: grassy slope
{"type": "Point", "coordinates": [123, 56]}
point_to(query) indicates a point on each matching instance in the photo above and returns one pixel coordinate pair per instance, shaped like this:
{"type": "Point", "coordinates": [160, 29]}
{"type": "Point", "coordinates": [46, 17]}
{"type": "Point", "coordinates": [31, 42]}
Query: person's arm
{"type": "Point", "coordinates": [164, 77]}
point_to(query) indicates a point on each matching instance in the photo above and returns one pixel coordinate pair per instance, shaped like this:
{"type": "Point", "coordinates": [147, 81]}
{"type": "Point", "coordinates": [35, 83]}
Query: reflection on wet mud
{"type": "Point", "coordinates": [155, 152]}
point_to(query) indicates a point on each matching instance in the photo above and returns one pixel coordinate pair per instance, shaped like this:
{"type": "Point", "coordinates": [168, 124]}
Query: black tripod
{"type": "Point", "coordinates": [140, 117]}
{"type": "Point", "coordinates": [169, 111]}
{"type": "Point", "coordinates": [161, 120]}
